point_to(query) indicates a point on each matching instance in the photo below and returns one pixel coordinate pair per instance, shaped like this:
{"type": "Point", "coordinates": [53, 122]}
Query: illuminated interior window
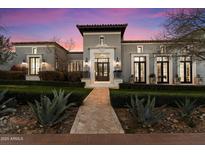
{"type": "Point", "coordinates": [34, 65]}
{"type": "Point", "coordinates": [140, 69]}
{"type": "Point", "coordinates": [101, 40]}
{"type": "Point", "coordinates": [162, 69]}
{"type": "Point", "coordinates": [185, 69]}
{"type": "Point", "coordinates": [139, 49]}
{"type": "Point", "coordinates": [76, 65]}
{"type": "Point", "coordinates": [34, 51]}
{"type": "Point", "coordinates": [162, 49]}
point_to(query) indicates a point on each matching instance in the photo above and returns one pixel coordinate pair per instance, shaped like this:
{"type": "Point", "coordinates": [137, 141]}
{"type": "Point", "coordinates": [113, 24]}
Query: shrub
{"type": "Point", "coordinates": [187, 107]}
{"type": "Point", "coordinates": [43, 83]}
{"type": "Point", "coordinates": [145, 114]}
{"type": "Point", "coordinates": [12, 75]}
{"type": "Point", "coordinates": [157, 87]}
{"type": "Point", "coordinates": [18, 67]}
{"type": "Point", "coordinates": [50, 112]}
{"type": "Point", "coordinates": [74, 76]}
{"type": "Point", "coordinates": [5, 104]}
{"type": "Point", "coordinates": [119, 98]}
{"type": "Point", "coordinates": [51, 76]}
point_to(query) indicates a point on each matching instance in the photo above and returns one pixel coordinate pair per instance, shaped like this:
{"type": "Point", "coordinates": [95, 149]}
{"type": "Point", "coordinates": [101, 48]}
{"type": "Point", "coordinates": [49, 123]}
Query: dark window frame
{"type": "Point", "coordinates": [35, 70]}
{"type": "Point", "coordinates": [162, 62]}
{"type": "Point", "coordinates": [139, 69]}
{"type": "Point", "coordinates": [185, 61]}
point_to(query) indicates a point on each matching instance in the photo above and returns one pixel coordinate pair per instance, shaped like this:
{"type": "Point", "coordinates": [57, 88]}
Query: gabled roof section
{"type": "Point", "coordinates": [40, 43]}
{"type": "Point", "coordinates": [102, 28]}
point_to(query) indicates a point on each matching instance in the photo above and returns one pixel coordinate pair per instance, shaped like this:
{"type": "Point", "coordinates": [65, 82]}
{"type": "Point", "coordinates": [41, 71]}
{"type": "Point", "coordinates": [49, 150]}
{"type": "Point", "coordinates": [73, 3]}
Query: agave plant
{"type": "Point", "coordinates": [144, 113]}
{"type": "Point", "coordinates": [50, 112]}
{"type": "Point", "coordinates": [187, 107]}
{"type": "Point", "coordinates": [4, 104]}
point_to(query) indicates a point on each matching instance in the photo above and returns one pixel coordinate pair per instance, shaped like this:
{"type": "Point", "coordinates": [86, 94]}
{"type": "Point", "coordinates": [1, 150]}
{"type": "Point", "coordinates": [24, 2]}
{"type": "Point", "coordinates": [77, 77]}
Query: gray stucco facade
{"type": "Point", "coordinates": [106, 41]}
{"type": "Point", "coordinates": [108, 59]}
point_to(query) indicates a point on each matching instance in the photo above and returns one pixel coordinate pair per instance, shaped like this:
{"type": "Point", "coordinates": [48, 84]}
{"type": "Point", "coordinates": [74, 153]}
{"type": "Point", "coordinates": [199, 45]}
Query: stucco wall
{"type": "Point", "coordinates": [62, 59]}
{"type": "Point", "coordinates": [22, 51]}
{"type": "Point", "coordinates": [111, 40]}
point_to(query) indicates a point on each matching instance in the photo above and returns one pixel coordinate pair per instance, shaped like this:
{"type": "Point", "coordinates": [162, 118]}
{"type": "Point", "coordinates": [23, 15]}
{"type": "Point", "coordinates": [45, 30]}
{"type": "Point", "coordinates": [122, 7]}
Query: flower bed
{"type": "Point", "coordinates": [24, 122]}
{"type": "Point", "coordinates": [170, 123]}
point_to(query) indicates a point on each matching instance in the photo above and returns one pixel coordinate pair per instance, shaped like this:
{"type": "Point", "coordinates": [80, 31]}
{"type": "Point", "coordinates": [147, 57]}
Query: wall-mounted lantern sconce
{"type": "Point", "coordinates": [24, 62]}
{"type": "Point", "coordinates": [117, 61]}
{"type": "Point", "coordinates": [43, 61]}
{"type": "Point", "coordinates": [86, 61]}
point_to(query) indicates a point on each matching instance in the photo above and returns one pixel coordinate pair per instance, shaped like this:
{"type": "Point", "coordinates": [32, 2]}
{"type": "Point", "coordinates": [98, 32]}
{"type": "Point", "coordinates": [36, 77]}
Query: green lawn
{"type": "Point", "coordinates": [41, 89]}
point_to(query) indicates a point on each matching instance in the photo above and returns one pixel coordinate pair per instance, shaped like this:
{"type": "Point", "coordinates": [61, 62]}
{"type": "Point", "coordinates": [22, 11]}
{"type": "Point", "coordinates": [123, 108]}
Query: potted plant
{"type": "Point", "coordinates": [177, 79]}
{"type": "Point", "coordinates": [152, 78]}
{"type": "Point", "coordinates": [132, 79]}
{"type": "Point", "coordinates": [198, 79]}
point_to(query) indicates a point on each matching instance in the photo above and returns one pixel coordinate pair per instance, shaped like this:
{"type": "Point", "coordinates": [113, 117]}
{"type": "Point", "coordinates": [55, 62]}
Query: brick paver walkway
{"type": "Point", "coordinates": [96, 115]}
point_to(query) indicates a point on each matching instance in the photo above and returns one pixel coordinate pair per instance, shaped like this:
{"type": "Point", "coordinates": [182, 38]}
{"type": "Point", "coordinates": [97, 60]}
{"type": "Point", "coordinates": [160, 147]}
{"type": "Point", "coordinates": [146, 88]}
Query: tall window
{"type": "Point", "coordinates": [34, 50]}
{"type": "Point", "coordinates": [76, 65]}
{"type": "Point", "coordinates": [101, 40]}
{"type": "Point", "coordinates": [139, 49]}
{"type": "Point", "coordinates": [162, 49]}
{"type": "Point", "coordinates": [56, 63]}
{"type": "Point", "coordinates": [140, 69]}
{"type": "Point", "coordinates": [185, 69]}
{"type": "Point", "coordinates": [163, 69]}
{"type": "Point", "coordinates": [34, 65]}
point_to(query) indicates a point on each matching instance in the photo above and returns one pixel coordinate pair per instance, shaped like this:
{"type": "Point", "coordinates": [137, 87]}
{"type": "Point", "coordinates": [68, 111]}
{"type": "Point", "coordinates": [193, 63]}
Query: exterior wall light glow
{"type": "Point", "coordinates": [43, 61]}
{"type": "Point", "coordinates": [86, 61]}
{"type": "Point", "coordinates": [24, 62]}
{"type": "Point", "coordinates": [117, 61]}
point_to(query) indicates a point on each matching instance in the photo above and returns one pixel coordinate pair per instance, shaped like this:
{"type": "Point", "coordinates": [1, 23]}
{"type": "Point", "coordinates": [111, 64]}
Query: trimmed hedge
{"type": "Point", "coordinates": [43, 83]}
{"type": "Point", "coordinates": [74, 76]}
{"type": "Point", "coordinates": [156, 87]}
{"type": "Point", "coordinates": [61, 76]}
{"type": "Point", "coordinates": [12, 75]}
{"type": "Point", "coordinates": [51, 76]}
{"type": "Point", "coordinates": [121, 100]}
{"type": "Point", "coordinates": [25, 97]}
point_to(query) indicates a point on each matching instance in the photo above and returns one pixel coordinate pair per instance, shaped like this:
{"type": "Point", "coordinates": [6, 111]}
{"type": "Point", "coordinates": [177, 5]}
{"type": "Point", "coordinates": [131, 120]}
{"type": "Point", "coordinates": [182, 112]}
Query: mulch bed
{"type": "Point", "coordinates": [23, 122]}
{"type": "Point", "coordinates": [171, 122]}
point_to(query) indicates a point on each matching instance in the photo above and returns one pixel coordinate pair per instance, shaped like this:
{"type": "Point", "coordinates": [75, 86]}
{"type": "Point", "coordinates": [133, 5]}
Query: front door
{"type": "Point", "coordinates": [34, 65]}
{"type": "Point", "coordinates": [102, 69]}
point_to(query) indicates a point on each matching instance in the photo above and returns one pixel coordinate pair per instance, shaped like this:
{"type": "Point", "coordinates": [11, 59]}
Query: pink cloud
{"type": "Point", "coordinates": [31, 16]}
{"type": "Point", "coordinates": [139, 33]}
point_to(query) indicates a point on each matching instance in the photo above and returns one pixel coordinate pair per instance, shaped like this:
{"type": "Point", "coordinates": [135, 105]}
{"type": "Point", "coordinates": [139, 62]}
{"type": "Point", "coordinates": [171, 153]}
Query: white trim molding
{"type": "Point", "coordinates": [100, 33]}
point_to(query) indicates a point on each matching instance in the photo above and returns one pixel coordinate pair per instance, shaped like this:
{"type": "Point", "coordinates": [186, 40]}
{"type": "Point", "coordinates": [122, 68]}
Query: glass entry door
{"type": "Point", "coordinates": [102, 69]}
{"type": "Point", "coordinates": [162, 70]}
{"type": "Point", "coordinates": [140, 69]}
{"type": "Point", "coordinates": [34, 65]}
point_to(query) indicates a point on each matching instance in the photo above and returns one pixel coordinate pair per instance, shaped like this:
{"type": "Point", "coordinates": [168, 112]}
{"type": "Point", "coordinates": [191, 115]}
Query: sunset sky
{"type": "Point", "coordinates": [44, 24]}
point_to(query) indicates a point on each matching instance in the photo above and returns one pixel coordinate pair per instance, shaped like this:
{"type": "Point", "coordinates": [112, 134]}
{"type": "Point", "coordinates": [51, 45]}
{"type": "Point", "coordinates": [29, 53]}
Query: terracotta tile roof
{"type": "Point", "coordinates": [145, 41]}
{"type": "Point", "coordinates": [40, 43]}
{"type": "Point", "coordinates": [102, 28]}
{"type": "Point", "coordinates": [76, 52]}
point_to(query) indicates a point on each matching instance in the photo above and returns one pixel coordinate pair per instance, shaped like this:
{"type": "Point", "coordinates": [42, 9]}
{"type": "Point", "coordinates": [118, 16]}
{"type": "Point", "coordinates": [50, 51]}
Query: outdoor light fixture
{"type": "Point", "coordinates": [86, 61]}
{"type": "Point", "coordinates": [117, 61]}
{"type": "Point", "coordinates": [43, 61]}
{"type": "Point", "coordinates": [24, 62]}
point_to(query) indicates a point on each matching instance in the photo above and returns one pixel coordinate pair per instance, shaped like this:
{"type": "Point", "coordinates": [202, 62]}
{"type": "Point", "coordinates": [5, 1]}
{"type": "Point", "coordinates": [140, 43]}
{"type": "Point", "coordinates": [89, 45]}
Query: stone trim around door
{"type": "Point", "coordinates": [96, 53]}
{"type": "Point", "coordinates": [33, 77]}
